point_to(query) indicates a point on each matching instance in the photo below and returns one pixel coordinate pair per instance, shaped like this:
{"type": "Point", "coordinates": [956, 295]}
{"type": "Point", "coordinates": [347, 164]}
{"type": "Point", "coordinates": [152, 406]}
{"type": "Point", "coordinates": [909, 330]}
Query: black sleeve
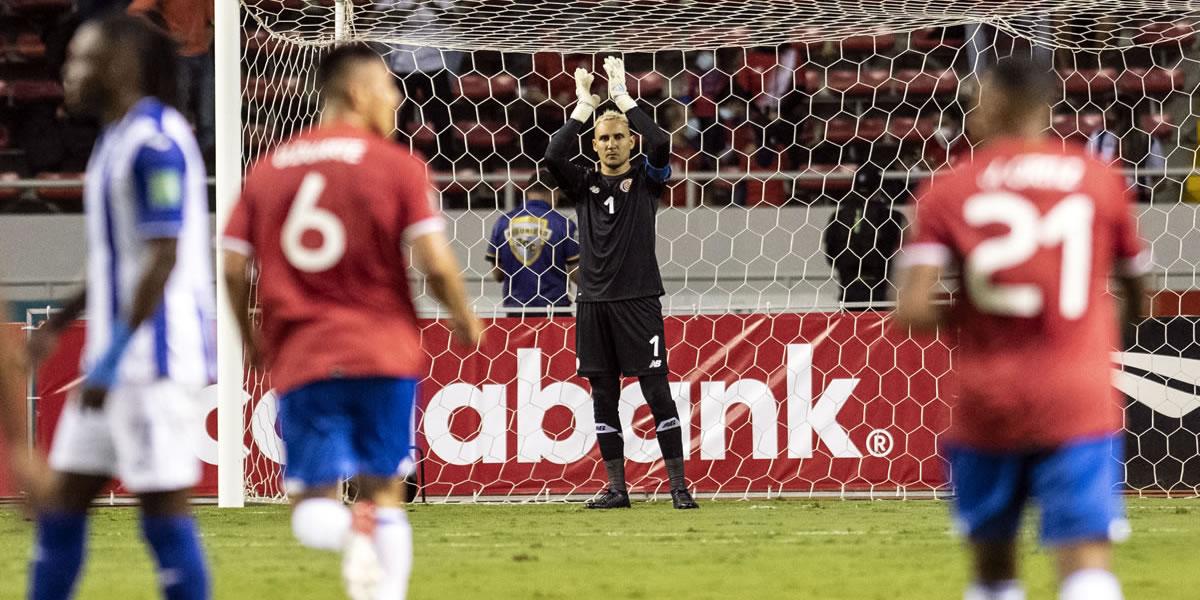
{"type": "Point", "coordinates": [656, 142]}
{"type": "Point", "coordinates": [562, 145]}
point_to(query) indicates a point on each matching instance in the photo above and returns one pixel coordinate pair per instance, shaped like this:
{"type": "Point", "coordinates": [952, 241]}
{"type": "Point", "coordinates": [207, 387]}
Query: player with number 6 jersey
{"type": "Point", "coordinates": [326, 219]}
{"type": "Point", "coordinates": [1034, 228]}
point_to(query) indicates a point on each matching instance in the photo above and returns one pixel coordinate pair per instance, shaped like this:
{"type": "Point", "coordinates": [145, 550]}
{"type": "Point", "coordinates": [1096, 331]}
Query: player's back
{"type": "Point", "coordinates": [329, 212]}
{"type": "Point", "coordinates": [1035, 228]}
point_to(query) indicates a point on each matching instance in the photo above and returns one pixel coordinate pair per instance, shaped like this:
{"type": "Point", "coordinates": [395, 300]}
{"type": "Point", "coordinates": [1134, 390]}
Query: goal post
{"type": "Point", "coordinates": [780, 113]}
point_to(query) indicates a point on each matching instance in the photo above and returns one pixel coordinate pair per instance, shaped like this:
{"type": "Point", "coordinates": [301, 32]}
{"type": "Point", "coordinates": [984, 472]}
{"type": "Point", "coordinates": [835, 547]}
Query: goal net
{"type": "Point", "coordinates": [799, 131]}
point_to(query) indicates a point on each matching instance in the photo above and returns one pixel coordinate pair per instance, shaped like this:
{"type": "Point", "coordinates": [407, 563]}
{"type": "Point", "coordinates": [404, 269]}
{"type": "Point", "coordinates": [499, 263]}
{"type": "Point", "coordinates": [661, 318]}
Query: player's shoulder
{"type": "Point", "coordinates": [154, 126]}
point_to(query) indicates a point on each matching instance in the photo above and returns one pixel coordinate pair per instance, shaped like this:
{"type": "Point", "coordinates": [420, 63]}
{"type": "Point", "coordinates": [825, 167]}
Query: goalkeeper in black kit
{"type": "Point", "coordinates": [619, 324]}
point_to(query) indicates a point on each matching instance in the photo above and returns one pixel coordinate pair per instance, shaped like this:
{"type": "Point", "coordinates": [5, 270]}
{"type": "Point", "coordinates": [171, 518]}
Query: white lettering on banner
{"type": "Point", "coordinates": [755, 396]}
{"type": "Point", "coordinates": [488, 445]}
{"type": "Point", "coordinates": [262, 427]}
{"type": "Point", "coordinates": [533, 445]}
{"type": "Point", "coordinates": [804, 417]}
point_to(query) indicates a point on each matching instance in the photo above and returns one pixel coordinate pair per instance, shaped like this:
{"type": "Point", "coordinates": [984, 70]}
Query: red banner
{"type": "Point", "coordinates": [774, 403]}
{"type": "Point", "coordinates": [790, 402]}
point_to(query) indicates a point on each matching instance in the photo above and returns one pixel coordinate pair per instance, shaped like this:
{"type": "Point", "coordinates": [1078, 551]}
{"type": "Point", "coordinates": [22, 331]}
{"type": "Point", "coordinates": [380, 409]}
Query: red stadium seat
{"type": "Point", "coordinates": [878, 44]}
{"type": "Point", "coordinates": [1077, 126]}
{"type": "Point", "coordinates": [488, 136]}
{"type": "Point", "coordinates": [1150, 81]}
{"type": "Point", "coordinates": [828, 184]}
{"type": "Point", "coordinates": [72, 194]}
{"type": "Point", "coordinates": [1158, 125]}
{"type": "Point", "coordinates": [55, 6]}
{"type": "Point", "coordinates": [844, 81]}
{"type": "Point", "coordinates": [477, 88]}
{"type": "Point", "coordinates": [909, 128]}
{"type": "Point", "coordinates": [422, 135]}
{"type": "Point", "coordinates": [27, 47]}
{"type": "Point", "coordinates": [26, 91]}
{"type": "Point", "coordinates": [9, 193]}
{"type": "Point", "coordinates": [648, 85]}
{"type": "Point", "coordinates": [1082, 81]}
{"type": "Point", "coordinates": [933, 38]}
{"type": "Point", "coordinates": [1156, 34]}
{"type": "Point", "coordinates": [846, 129]}
{"type": "Point", "coordinates": [755, 76]}
{"type": "Point", "coordinates": [266, 90]}
{"type": "Point", "coordinates": [925, 83]}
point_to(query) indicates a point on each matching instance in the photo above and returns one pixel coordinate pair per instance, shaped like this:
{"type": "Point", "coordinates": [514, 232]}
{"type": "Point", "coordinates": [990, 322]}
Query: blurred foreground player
{"type": "Point", "coordinates": [619, 324]}
{"type": "Point", "coordinates": [149, 301]}
{"type": "Point", "coordinates": [326, 219]}
{"type": "Point", "coordinates": [1035, 229]}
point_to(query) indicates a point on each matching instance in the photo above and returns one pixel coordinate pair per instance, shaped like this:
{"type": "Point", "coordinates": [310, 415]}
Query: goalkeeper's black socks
{"type": "Point", "coordinates": [616, 474]}
{"type": "Point", "coordinates": [675, 473]}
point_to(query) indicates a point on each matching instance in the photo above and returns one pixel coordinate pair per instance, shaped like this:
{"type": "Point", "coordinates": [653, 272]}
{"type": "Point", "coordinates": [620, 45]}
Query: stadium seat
{"type": "Point", "coordinates": [648, 85]}
{"type": "Point", "coordinates": [27, 47]}
{"type": "Point", "coordinates": [1083, 81]}
{"type": "Point", "coordinates": [61, 195]}
{"type": "Point", "coordinates": [26, 91]}
{"type": "Point", "coordinates": [268, 90]}
{"type": "Point", "coordinates": [1150, 81]}
{"type": "Point", "coordinates": [755, 76]}
{"type": "Point", "coordinates": [261, 42]}
{"type": "Point", "coordinates": [477, 88]}
{"type": "Point", "coordinates": [488, 136]}
{"type": "Point", "coordinates": [879, 44]}
{"type": "Point", "coordinates": [8, 193]}
{"type": "Point", "coordinates": [1156, 34]}
{"type": "Point", "coordinates": [1158, 125]}
{"type": "Point", "coordinates": [925, 82]}
{"type": "Point", "coordinates": [845, 81]}
{"type": "Point", "coordinates": [47, 6]}
{"type": "Point", "coordinates": [933, 38]}
{"type": "Point", "coordinates": [421, 134]}
{"type": "Point", "coordinates": [1077, 126]}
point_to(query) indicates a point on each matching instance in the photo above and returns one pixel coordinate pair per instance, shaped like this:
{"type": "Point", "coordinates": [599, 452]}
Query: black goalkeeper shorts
{"type": "Point", "coordinates": [623, 337]}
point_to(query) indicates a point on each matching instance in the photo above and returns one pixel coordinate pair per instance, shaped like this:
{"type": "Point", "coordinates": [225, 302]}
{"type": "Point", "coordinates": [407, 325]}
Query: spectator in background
{"type": "Point", "coordinates": [191, 24]}
{"type": "Point", "coordinates": [1120, 140]}
{"type": "Point", "coordinates": [425, 75]}
{"type": "Point", "coordinates": [862, 237]}
{"type": "Point", "coordinates": [534, 250]}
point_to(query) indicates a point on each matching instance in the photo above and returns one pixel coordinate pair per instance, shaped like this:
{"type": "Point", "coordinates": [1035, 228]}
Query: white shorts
{"type": "Point", "coordinates": [144, 436]}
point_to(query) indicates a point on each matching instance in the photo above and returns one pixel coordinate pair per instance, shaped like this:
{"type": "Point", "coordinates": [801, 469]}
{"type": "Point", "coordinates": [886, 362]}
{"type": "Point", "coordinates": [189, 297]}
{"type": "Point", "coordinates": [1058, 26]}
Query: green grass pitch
{"type": "Point", "coordinates": [816, 550]}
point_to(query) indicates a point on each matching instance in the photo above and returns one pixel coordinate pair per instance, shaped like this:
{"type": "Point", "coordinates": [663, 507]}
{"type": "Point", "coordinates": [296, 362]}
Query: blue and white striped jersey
{"type": "Point", "coordinates": [145, 181]}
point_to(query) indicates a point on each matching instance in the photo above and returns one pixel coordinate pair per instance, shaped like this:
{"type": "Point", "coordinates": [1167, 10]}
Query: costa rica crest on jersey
{"type": "Point", "coordinates": [626, 184]}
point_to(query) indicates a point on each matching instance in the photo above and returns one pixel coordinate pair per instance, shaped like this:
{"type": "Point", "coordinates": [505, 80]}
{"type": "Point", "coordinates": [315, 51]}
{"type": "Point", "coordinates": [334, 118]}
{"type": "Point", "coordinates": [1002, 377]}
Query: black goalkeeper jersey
{"type": "Point", "coordinates": [616, 216]}
{"type": "Point", "coordinates": [617, 260]}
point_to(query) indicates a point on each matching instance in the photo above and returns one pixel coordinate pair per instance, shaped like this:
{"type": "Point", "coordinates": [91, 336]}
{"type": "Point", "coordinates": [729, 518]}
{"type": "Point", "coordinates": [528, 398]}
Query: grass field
{"type": "Point", "coordinates": [728, 550]}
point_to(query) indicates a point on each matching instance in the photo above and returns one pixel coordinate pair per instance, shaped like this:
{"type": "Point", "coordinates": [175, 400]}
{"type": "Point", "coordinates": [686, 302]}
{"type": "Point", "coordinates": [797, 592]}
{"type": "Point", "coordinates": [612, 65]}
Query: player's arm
{"type": "Point", "coordinates": [564, 141]}
{"type": "Point", "coordinates": [433, 257]}
{"type": "Point", "coordinates": [656, 142]}
{"type": "Point", "coordinates": [1133, 298]}
{"type": "Point", "coordinates": [159, 170]}
{"type": "Point", "coordinates": [493, 251]}
{"type": "Point", "coordinates": [237, 284]}
{"type": "Point", "coordinates": [916, 301]}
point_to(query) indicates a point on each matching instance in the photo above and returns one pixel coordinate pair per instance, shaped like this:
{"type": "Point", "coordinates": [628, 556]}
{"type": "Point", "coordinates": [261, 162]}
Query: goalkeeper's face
{"type": "Point", "coordinates": [613, 143]}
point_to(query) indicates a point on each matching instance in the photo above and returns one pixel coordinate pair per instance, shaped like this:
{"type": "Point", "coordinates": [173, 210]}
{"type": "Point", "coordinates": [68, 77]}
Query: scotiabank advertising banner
{"type": "Point", "coordinates": [813, 402]}
{"type": "Point", "coordinates": [788, 402]}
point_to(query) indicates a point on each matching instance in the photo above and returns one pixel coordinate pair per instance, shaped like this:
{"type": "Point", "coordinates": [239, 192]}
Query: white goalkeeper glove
{"type": "Point", "coordinates": [586, 101]}
{"type": "Point", "coordinates": [615, 68]}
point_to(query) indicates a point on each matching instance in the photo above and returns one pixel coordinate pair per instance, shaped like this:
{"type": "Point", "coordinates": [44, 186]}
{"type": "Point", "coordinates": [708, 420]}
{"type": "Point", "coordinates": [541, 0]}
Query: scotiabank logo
{"type": "Point", "coordinates": [807, 419]}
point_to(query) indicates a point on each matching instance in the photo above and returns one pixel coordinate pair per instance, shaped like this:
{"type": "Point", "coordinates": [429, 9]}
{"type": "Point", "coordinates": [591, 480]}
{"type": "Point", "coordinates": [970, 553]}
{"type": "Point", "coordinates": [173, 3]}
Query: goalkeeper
{"type": "Point", "coordinates": [619, 324]}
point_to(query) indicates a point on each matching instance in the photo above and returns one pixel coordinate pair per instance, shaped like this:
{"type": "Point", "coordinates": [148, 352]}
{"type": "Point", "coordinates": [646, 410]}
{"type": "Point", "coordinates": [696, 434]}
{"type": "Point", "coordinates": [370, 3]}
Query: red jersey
{"type": "Point", "coordinates": [1034, 229]}
{"type": "Point", "coordinates": [326, 216]}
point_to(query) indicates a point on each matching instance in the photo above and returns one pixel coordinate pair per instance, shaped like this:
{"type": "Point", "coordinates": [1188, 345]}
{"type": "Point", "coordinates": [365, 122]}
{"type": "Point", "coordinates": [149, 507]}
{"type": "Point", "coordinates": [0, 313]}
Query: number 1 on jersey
{"type": "Point", "coordinates": [654, 344]}
{"type": "Point", "coordinates": [611, 204]}
{"type": "Point", "coordinates": [306, 216]}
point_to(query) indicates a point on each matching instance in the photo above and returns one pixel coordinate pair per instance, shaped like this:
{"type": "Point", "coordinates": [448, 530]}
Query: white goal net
{"type": "Point", "coordinates": [799, 130]}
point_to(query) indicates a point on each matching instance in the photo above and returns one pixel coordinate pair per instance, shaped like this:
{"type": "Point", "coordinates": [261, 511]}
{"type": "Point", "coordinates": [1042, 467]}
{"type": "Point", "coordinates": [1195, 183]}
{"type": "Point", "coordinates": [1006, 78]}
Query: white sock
{"type": "Point", "coordinates": [1090, 584]}
{"type": "Point", "coordinates": [998, 590]}
{"type": "Point", "coordinates": [393, 542]}
{"type": "Point", "coordinates": [321, 523]}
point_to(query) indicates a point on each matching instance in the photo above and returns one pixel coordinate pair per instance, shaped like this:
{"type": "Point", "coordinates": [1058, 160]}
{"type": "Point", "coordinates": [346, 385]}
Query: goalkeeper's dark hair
{"type": "Point", "coordinates": [1031, 81]}
{"type": "Point", "coordinates": [541, 180]}
{"type": "Point", "coordinates": [154, 51]}
{"type": "Point", "coordinates": [334, 66]}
